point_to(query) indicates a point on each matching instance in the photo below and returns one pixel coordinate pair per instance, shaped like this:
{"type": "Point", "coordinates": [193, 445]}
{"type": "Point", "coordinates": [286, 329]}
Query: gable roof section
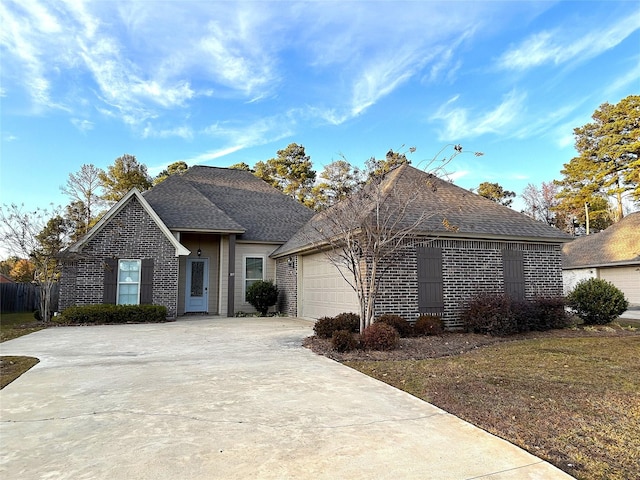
{"type": "Point", "coordinates": [133, 193]}
{"type": "Point", "coordinates": [617, 245]}
{"type": "Point", "coordinates": [448, 211]}
{"type": "Point", "coordinates": [226, 200]}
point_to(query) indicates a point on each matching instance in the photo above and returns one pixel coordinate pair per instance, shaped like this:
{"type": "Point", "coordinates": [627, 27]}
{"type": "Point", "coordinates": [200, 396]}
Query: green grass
{"type": "Point", "coordinates": [572, 401]}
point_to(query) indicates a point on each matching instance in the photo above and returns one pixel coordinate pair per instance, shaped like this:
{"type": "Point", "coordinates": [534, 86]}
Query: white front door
{"type": "Point", "coordinates": [197, 288]}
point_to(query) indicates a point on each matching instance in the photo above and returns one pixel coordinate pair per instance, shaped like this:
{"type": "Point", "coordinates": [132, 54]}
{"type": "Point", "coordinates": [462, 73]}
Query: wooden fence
{"type": "Point", "coordinates": [24, 297]}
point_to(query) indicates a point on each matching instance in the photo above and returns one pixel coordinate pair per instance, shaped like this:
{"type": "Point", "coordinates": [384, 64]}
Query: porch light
{"type": "Point", "coordinates": [199, 252]}
{"type": "Point", "coordinates": [290, 262]}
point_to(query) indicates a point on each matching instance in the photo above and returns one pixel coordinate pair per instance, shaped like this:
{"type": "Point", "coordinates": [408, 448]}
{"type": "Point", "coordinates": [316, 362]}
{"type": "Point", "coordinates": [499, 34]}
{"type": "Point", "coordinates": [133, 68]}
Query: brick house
{"type": "Point", "coordinates": [613, 255]}
{"type": "Point", "coordinates": [195, 241]}
{"type": "Point", "coordinates": [462, 245]}
{"type": "Point", "coordinates": [192, 243]}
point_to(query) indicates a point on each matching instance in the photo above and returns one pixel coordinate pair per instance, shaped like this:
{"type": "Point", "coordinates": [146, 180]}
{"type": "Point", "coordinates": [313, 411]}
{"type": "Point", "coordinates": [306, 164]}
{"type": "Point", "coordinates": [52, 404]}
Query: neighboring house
{"type": "Point", "coordinates": [192, 243]}
{"type": "Point", "coordinates": [613, 255]}
{"type": "Point", "coordinates": [6, 278]}
{"type": "Point", "coordinates": [464, 245]}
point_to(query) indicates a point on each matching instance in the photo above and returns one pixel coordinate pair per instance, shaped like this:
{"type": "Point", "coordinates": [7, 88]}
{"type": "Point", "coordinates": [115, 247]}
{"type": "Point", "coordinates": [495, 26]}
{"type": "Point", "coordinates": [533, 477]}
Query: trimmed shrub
{"type": "Point", "coordinates": [548, 313]}
{"type": "Point", "coordinates": [348, 321]}
{"type": "Point", "coordinates": [324, 327]}
{"type": "Point", "coordinates": [396, 321]}
{"type": "Point", "coordinates": [343, 341]}
{"type": "Point", "coordinates": [380, 336]}
{"type": "Point", "coordinates": [113, 314]}
{"type": "Point", "coordinates": [597, 301]}
{"type": "Point", "coordinates": [490, 314]}
{"type": "Point", "coordinates": [262, 294]}
{"type": "Point", "coordinates": [428, 325]}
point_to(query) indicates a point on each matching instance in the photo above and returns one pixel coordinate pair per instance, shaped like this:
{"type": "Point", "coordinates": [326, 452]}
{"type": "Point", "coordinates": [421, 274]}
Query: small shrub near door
{"type": "Point", "coordinates": [262, 295]}
{"type": "Point", "coordinates": [380, 336]}
{"type": "Point", "coordinates": [597, 301]}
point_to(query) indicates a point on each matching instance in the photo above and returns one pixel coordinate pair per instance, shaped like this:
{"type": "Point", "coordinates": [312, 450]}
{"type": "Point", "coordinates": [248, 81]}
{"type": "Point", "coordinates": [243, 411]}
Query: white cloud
{"type": "Point", "coordinates": [562, 46]}
{"type": "Point", "coordinates": [212, 155]}
{"type": "Point", "coordinates": [459, 122]}
{"type": "Point", "coordinates": [82, 125]}
{"type": "Point", "coordinates": [150, 131]}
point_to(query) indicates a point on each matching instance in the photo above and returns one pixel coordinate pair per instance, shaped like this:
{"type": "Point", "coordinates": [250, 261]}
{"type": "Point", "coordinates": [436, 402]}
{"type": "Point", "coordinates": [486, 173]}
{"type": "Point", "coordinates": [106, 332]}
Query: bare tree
{"type": "Point", "coordinates": [83, 188]}
{"type": "Point", "coordinates": [361, 235]}
{"type": "Point", "coordinates": [39, 235]}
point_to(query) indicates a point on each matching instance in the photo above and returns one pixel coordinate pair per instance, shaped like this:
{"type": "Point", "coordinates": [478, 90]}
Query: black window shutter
{"type": "Point", "coordinates": [430, 293]}
{"type": "Point", "coordinates": [513, 268]}
{"type": "Point", "coordinates": [110, 280]}
{"type": "Point", "coordinates": [146, 282]}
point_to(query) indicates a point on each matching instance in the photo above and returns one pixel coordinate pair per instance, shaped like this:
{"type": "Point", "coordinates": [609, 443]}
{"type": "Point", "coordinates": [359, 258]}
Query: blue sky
{"type": "Point", "coordinates": [216, 83]}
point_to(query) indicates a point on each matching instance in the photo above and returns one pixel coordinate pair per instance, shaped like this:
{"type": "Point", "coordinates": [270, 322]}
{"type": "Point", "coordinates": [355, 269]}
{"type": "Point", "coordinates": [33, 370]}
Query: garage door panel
{"type": "Point", "coordinates": [627, 279]}
{"type": "Point", "coordinates": [324, 291]}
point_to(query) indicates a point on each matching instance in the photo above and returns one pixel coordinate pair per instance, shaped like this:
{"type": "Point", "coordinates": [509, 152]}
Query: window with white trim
{"type": "Point", "coordinates": [128, 282]}
{"type": "Point", "coordinates": [253, 271]}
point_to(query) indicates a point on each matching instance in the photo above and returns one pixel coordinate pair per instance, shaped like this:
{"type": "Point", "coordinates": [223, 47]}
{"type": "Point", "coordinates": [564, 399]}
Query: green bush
{"type": "Point", "coordinates": [110, 314]}
{"type": "Point", "coordinates": [597, 301]}
{"type": "Point", "coordinates": [343, 341]}
{"type": "Point", "coordinates": [380, 336]}
{"type": "Point", "coordinates": [428, 325]}
{"type": "Point", "coordinates": [396, 321]}
{"type": "Point", "coordinates": [262, 294]}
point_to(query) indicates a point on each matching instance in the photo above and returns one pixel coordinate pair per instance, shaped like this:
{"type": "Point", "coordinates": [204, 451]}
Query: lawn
{"type": "Point", "coordinates": [574, 402]}
{"type": "Point", "coordinates": [14, 325]}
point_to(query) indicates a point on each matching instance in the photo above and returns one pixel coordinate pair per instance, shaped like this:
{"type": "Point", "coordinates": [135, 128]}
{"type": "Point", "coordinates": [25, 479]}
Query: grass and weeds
{"type": "Point", "coordinates": [12, 367]}
{"type": "Point", "coordinates": [573, 401]}
{"type": "Point", "coordinates": [14, 325]}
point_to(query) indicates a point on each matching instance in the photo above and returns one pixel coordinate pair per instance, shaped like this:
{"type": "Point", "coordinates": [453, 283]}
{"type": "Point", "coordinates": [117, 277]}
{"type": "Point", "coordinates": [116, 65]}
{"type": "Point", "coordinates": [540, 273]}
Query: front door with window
{"type": "Point", "coordinates": [197, 288]}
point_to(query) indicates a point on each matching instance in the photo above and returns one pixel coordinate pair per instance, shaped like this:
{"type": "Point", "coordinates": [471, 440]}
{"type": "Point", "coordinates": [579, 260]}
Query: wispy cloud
{"type": "Point", "coordinates": [562, 46]}
{"type": "Point", "coordinates": [212, 155]}
{"type": "Point", "coordinates": [82, 125]}
{"type": "Point", "coordinates": [460, 123]}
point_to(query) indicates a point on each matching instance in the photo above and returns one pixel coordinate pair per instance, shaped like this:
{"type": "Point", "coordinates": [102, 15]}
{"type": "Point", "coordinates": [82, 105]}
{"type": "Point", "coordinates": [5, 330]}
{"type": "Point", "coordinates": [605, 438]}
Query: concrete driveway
{"type": "Point", "coordinates": [213, 398]}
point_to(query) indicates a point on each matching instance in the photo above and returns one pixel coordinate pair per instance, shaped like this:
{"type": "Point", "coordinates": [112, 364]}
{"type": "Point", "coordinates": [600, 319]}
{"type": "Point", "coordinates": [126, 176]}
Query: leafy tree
{"type": "Point", "coordinates": [240, 166]}
{"type": "Point", "coordinates": [176, 168]}
{"type": "Point", "coordinates": [392, 160]}
{"type": "Point", "coordinates": [122, 176]}
{"type": "Point", "coordinates": [83, 188]}
{"type": "Point", "coordinates": [291, 172]}
{"type": "Point", "coordinates": [23, 271]}
{"type": "Point", "coordinates": [339, 179]}
{"type": "Point", "coordinates": [495, 192]}
{"type": "Point", "coordinates": [39, 236]}
{"type": "Point", "coordinates": [608, 161]}
{"type": "Point", "coordinates": [7, 265]}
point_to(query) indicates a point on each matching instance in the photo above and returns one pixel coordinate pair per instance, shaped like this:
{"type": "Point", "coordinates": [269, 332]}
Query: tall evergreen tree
{"type": "Point", "coordinates": [122, 176]}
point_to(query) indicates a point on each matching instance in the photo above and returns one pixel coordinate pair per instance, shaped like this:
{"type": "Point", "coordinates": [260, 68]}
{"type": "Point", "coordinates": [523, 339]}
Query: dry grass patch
{"type": "Point", "coordinates": [572, 401]}
{"type": "Point", "coordinates": [12, 367]}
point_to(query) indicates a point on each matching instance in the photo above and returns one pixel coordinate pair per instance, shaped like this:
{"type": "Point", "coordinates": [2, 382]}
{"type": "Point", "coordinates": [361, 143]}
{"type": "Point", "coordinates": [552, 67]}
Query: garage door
{"type": "Point", "coordinates": [324, 291]}
{"type": "Point", "coordinates": [627, 279]}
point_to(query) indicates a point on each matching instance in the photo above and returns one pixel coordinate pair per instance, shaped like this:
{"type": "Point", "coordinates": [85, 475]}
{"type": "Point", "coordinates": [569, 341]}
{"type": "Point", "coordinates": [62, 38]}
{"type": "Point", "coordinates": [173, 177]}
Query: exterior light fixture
{"type": "Point", "coordinates": [290, 262]}
{"type": "Point", "coordinates": [199, 252]}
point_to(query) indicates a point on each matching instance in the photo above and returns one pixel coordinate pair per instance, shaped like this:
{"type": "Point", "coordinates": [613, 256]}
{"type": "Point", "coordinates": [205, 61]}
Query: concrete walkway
{"type": "Point", "coordinates": [226, 398]}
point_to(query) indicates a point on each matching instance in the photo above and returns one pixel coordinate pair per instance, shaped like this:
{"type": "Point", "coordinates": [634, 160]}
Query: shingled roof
{"type": "Point", "coordinates": [439, 207]}
{"type": "Point", "coordinates": [617, 245]}
{"type": "Point", "coordinates": [212, 199]}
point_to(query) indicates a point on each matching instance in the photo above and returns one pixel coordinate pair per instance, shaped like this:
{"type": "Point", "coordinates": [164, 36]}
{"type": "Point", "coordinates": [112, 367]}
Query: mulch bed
{"type": "Point", "coordinates": [452, 343]}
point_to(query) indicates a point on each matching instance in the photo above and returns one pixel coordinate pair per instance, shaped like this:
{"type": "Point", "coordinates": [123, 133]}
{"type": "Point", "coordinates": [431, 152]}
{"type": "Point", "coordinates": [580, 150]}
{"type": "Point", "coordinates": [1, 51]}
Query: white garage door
{"type": "Point", "coordinates": [627, 279]}
{"type": "Point", "coordinates": [324, 292]}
